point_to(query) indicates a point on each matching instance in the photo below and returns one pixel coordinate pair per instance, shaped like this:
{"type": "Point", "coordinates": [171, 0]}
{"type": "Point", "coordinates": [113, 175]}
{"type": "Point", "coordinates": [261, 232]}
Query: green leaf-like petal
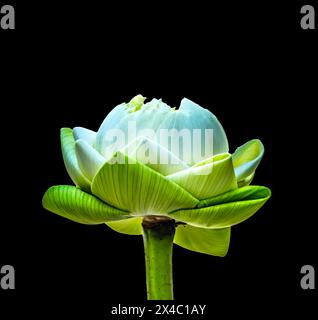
{"type": "Point", "coordinates": [246, 181]}
{"type": "Point", "coordinates": [207, 178]}
{"type": "Point", "coordinates": [131, 226]}
{"type": "Point", "coordinates": [225, 210]}
{"type": "Point", "coordinates": [246, 158]}
{"type": "Point", "coordinates": [70, 160]}
{"type": "Point", "coordinates": [134, 187]}
{"type": "Point", "coordinates": [89, 160]}
{"type": "Point", "coordinates": [209, 241]}
{"type": "Point", "coordinates": [79, 206]}
{"type": "Point", "coordinates": [244, 193]}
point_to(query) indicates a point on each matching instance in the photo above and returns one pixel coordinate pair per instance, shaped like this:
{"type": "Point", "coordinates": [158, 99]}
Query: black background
{"type": "Point", "coordinates": [70, 64]}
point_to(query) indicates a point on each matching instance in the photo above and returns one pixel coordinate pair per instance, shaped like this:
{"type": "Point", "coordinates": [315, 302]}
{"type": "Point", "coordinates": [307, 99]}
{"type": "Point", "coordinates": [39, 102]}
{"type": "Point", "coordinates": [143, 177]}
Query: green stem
{"type": "Point", "coordinates": [158, 234]}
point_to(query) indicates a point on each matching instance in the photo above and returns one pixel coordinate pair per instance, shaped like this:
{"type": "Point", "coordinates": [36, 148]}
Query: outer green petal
{"type": "Point", "coordinates": [134, 187]}
{"type": "Point", "coordinates": [131, 226]}
{"type": "Point", "coordinates": [246, 158]}
{"type": "Point", "coordinates": [70, 160]}
{"type": "Point", "coordinates": [244, 193]}
{"type": "Point", "coordinates": [246, 181]}
{"type": "Point", "coordinates": [208, 178]}
{"type": "Point", "coordinates": [209, 241]}
{"type": "Point", "coordinates": [225, 210]}
{"type": "Point", "coordinates": [76, 205]}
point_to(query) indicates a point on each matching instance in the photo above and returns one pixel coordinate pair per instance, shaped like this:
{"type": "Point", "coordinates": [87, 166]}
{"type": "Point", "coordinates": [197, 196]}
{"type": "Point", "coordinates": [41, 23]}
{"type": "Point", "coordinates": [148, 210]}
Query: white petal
{"type": "Point", "coordinates": [109, 122]}
{"type": "Point", "coordinates": [153, 155]}
{"type": "Point", "coordinates": [70, 160]}
{"type": "Point", "coordinates": [193, 117]}
{"type": "Point", "coordinates": [89, 160]}
{"type": "Point", "coordinates": [131, 120]}
{"type": "Point", "coordinates": [85, 134]}
{"type": "Point", "coordinates": [246, 159]}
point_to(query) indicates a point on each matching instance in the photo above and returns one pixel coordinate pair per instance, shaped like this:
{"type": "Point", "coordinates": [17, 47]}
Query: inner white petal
{"type": "Point", "coordinates": [89, 160]}
{"type": "Point", "coordinates": [85, 134]}
{"type": "Point", "coordinates": [153, 155]}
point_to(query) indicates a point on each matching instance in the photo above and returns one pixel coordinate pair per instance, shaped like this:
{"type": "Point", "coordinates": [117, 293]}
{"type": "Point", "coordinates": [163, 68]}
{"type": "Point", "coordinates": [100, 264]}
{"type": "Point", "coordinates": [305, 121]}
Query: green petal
{"type": "Point", "coordinates": [70, 160]}
{"type": "Point", "coordinates": [207, 178]}
{"type": "Point", "coordinates": [225, 210]}
{"type": "Point", "coordinates": [131, 226]}
{"type": "Point", "coordinates": [76, 205]}
{"type": "Point", "coordinates": [246, 181]}
{"type": "Point", "coordinates": [246, 158]}
{"type": "Point", "coordinates": [244, 193]}
{"type": "Point", "coordinates": [209, 241]}
{"type": "Point", "coordinates": [89, 160]}
{"type": "Point", "coordinates": [134, 187]}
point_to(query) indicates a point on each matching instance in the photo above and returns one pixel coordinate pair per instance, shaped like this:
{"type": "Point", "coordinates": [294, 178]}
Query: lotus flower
{"type": "Point", "coordinates": [144, 172]}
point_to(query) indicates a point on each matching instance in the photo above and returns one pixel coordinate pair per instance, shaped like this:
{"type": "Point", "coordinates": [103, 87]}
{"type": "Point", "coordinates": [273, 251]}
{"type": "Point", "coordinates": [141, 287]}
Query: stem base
{"type": "Point", "coordinates": [158, 234]}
